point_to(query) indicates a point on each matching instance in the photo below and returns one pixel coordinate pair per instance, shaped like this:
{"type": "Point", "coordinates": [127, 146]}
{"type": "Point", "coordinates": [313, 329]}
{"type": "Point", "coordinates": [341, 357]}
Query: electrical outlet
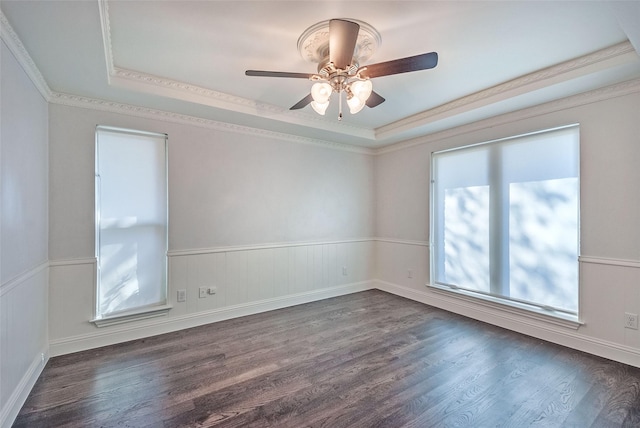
{"type": "Point", "coordinates": [630, 320]}
{"type": "Point", "coordinates": [203, 292]}
{"type": "Point", "coordinates": [344, 270]}
{"type": "Point", "coordinates": [182, 295]}
{"type": "Point", "coordinates": [409, 273]}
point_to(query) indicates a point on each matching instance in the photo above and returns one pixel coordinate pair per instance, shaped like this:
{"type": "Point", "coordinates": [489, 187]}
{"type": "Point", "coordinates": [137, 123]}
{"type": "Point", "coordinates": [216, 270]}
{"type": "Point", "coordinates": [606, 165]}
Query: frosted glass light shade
{"type": "Point", "coordinates": [320, 92]}
{"type": "Point", "coordinates": [361, 89]}
{"type": "Point", "coordinates": [320, 108]}
{"type": "Point", "coordinates": [355, 104]}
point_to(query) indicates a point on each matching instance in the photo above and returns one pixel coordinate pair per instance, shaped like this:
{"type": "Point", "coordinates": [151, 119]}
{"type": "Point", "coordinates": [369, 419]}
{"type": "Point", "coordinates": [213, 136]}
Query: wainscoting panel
{"type": "Point", "coordinates": [253, 274]}
{"type": "Point", "coordinates": [243, 281]}
{"type": "Point", "coordinates": [23, 314]}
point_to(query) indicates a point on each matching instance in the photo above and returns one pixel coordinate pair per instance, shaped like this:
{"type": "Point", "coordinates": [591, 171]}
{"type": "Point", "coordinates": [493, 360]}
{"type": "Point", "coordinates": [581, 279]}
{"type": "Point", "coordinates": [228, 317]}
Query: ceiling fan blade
{"type": "Point", "coordinates": [343, 36]}
{"type": "Point", "coordinates": [374, 100]}
{"type": "Point", "coordinates": [302, 103]}
{"type": "Point", "coordinates": [402, 65]}
{"type": "Point", "coordinates": [261, 73]}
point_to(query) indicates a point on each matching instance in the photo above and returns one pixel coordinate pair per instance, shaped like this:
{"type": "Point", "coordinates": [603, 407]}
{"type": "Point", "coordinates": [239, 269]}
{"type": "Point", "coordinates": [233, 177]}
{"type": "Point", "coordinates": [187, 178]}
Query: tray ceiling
{"type": "Point", "coordinates": [189, 58]}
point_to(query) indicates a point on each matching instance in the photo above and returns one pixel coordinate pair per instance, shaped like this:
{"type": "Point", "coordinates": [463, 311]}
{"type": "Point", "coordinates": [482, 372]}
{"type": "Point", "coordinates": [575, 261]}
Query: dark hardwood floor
{"type": "Point", "coordinates": [369, 359]}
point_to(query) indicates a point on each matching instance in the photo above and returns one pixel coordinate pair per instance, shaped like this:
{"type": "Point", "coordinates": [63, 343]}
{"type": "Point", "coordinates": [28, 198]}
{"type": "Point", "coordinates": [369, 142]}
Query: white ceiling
{"type": "Point", "coordinates": [190, 57]}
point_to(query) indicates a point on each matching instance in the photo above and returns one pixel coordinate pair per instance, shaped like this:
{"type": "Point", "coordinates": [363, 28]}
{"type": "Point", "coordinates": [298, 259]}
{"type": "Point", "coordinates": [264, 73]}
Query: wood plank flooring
{"type": "Point", "coordinates": [368, 359]}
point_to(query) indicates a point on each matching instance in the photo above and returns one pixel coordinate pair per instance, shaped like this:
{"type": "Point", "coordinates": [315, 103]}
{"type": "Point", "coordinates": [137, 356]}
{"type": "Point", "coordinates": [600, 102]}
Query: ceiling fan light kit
{"type": "Point", "coordinates": [359, 91]}
{"type": "Point", "coordinates": [339, 46]}
{"type": "Point", "coordinates": [320, 108]}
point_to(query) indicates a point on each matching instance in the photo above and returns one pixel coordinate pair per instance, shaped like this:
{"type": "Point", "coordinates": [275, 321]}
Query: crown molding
{"type": "Point", "coordinates": [105, 27]}
{"type": "Point", "coordinates": [21, 54]}
{"type": "Point", "coordinates": [596, 61]}
{"type": "Point", "coordinates": [136, 80]}
{"type": "Point", "coordinates": [149, 113]}
{"type": "Point", "coordinates": [617, 54]}
{"type": "Point", "coordinates": [601, 94]}
{"type": "Point", "coordinates": [175, 89]}
{"type": "Point", "coordinates": [144, 82]}
{"type": "Point", "coordinates": [18, 50]}
{"type": "Point", "coordinates": [163, 86]}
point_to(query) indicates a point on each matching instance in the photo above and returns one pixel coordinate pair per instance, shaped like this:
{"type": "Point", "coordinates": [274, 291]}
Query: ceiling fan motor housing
{"type": "Point", "coordinates": [313, 44]}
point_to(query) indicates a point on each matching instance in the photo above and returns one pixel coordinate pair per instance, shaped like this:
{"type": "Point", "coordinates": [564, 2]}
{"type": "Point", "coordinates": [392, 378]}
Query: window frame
{"type": "Point", "coordinates": [502, 303]}
{"type": "Point", "coordinates": [162, 307]}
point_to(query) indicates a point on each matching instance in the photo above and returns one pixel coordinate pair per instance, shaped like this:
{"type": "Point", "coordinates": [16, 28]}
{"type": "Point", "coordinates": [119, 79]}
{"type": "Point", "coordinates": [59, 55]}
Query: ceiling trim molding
{"type": "Point", "coordinates": [21, 54]}
{"type": "Point", "coordinates": [149, 113]}
{"type": "Point", "coordinates": [139, 81]}
{"type": "Point", "coordinates": [616, 54]}
{"type": "Point", "coordinates": [162, 86]}
{"type": "Point", "coordinates": [589, 97]}
{"type": "Point", "coordinates": [13, 42]}
{"type": "Point", "coordinates": [105, 27]}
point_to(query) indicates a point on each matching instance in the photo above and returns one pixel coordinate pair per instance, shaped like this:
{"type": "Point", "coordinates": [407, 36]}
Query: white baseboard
{"type": "Point", "coordinates": [546, 331]}
{"type": "Point", "coordinates": [12, 407]}
{"type": "Point", "coordinates": [167, 324]}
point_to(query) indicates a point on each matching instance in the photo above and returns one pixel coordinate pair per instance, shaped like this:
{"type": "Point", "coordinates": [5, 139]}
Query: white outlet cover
{"type": "Point", "coordinates": [631, 320]}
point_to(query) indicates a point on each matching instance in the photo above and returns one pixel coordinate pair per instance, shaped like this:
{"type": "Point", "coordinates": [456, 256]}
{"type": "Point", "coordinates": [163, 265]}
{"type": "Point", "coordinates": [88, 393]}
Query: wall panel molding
{"type": "Point", "coordinates": [403, 242]}
{"type": "Point", "coordinates": [20, 279]}
{"type": "Point", "coordinates": [74, 261]}
{"type": "Point", "coordinates": [609, 261]}
{"type": "Point", "coordinates": [213, 250]}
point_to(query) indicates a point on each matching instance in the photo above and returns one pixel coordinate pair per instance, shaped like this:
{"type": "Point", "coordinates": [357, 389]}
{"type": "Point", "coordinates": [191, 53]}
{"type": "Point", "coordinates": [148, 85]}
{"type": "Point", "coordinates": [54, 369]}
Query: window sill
{"type": "Point", "coordinates": [520, 309]}
{"type": "Point", "coordinates": [123, 317]}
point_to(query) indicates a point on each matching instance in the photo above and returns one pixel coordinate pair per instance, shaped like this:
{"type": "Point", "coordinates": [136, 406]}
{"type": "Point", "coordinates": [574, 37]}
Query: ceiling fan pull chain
{"type": "Point", "coordinates": [340, 106]}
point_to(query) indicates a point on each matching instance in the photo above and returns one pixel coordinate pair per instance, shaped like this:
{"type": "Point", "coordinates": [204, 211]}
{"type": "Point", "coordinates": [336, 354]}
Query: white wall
{"type": "Point", "coordinates": [269, 222]}
{"type": "Point", "coordinates": [610, 227]}
{"type": "Point", "coordinates": [23, 235]}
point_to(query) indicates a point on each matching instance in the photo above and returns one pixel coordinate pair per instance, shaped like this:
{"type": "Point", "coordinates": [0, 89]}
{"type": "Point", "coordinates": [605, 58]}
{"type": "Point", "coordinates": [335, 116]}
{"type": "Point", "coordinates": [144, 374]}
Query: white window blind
{"type": "Point", "coordinates": [131, 221]}
{"type": "Point", "coordinates": [505, 219]}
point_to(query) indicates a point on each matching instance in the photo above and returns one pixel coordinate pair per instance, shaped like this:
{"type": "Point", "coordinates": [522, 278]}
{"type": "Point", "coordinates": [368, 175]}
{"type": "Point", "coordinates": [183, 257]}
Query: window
{"type": "Point", "coordinates": [505, 220]}
{"type": "Point", "coordinates": [131, 222]}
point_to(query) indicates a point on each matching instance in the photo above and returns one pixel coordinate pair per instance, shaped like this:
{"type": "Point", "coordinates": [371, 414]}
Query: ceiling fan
{"type": "Point", "coordinates": [338, 46]}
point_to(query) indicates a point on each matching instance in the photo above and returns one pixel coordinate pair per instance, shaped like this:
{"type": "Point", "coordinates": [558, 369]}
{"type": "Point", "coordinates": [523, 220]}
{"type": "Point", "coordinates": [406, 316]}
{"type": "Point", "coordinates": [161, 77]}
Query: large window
{"type": "Point", "coordinates": [505, 220]}
{"type": "Point", "coordinates": [131, 222]}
